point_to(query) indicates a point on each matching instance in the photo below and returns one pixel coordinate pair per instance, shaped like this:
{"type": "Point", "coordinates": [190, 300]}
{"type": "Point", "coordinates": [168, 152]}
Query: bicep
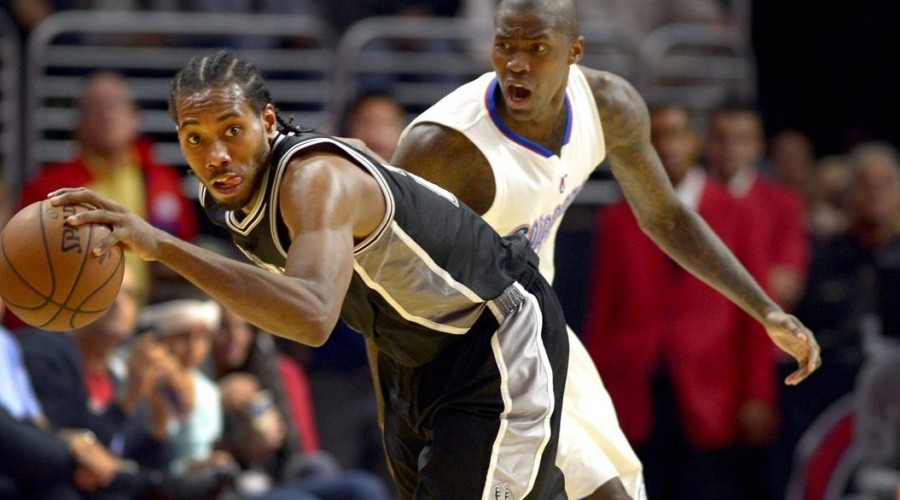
{"type": "Point", "coordinates": [320, 213]}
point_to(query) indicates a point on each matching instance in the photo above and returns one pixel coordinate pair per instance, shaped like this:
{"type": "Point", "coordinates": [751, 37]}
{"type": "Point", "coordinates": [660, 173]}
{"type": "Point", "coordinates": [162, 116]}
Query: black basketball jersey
{"type": "Point", "coordinates": [420, 280]}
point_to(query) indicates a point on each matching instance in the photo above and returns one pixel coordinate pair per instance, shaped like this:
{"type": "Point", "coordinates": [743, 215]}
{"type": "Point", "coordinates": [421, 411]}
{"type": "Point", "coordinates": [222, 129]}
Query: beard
{"type": "Point", "coordinates": [259, 165]}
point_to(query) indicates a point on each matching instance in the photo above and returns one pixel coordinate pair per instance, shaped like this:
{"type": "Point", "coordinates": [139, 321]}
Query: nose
{"type": "Point", "coordinates": [217, 156]}
{"type": "Point", "coordinates": [518, 62]}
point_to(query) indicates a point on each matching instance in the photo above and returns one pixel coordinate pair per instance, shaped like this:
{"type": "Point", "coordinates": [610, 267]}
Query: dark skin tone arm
{"type": "Point", "coordinates": [459, 168]}
{"type": "Point", "coordinates": [679, 231]}
{"type": "Point", "coordinates": [675, 228]}
{"type": "Point", "coordinates": [327, 202]}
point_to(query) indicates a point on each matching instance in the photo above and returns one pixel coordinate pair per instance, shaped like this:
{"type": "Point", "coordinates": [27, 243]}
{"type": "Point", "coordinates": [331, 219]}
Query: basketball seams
{"type": "Point", "coordinates": [81, 281]}
{"type": "Point", "coordinates": [48, 299]}
{"type": "Point", "coordinates": [85, 255]}
{"type": "Point", "coordinates": [116, 273]}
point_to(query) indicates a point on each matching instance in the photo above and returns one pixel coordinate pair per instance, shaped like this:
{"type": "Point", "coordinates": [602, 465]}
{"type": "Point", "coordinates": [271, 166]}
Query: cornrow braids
{"type": "Point", "coordinates": [221, 69]}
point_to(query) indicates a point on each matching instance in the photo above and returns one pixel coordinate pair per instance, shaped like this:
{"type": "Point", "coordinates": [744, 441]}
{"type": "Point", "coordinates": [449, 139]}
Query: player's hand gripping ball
{"type": "Point", "coordinates": [49, 277]}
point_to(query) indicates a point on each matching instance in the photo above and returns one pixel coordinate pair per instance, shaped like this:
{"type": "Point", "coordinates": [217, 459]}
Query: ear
{"type": "Point", "coordinates": [269, 118]}
{"type": "Point", "coordinates": [576, 50]}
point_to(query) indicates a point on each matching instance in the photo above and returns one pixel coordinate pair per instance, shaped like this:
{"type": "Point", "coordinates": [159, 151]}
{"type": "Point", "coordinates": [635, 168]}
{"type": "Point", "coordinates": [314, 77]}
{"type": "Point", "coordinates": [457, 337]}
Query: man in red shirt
{"type": "Point", "coordinates": [692, 376]}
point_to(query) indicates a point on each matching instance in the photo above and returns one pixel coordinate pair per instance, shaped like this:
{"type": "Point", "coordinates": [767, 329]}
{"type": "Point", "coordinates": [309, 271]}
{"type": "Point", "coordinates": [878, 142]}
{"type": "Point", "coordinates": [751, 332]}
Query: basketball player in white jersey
{"type": "Point", "coordinates": [518, 144]}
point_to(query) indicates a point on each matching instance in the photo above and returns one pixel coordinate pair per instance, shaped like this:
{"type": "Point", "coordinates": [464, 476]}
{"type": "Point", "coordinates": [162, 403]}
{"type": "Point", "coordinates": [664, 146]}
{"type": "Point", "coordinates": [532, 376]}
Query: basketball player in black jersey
{"type": "Point", "coordinates": [471, 340]}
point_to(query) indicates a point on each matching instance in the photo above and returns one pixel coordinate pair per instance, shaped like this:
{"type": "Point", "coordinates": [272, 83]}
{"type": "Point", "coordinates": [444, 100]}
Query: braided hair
{"type": "Point", "coordinates": [222, 69]}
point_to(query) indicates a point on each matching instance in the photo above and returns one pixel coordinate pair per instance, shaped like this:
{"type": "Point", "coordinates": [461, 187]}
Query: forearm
{"type": "Point", "coordinates": [688, 240]}
{"type": "Point", "coordinates": [279, 304]}
{"type": "Point", "coordinates": [31, 454]}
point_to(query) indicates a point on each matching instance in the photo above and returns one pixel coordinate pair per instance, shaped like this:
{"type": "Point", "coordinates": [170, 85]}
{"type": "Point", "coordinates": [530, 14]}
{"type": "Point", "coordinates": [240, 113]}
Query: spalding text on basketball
{"type": "Point", "coordinates": [70, 238]}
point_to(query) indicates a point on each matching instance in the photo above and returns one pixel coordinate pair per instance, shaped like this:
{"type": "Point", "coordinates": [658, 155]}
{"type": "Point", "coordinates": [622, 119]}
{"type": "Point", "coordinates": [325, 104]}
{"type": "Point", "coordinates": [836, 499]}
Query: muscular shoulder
{"type": "Point", "coordinates": [622, 110]}
{"type": "Point", "coordinates": [328, 189]}
{"type": "Point", "coordinates": [447, 158]}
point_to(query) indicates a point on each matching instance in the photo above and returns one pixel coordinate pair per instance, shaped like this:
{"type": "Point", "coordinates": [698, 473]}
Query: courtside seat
{"type": "Point", "coordinates": [823, 460]}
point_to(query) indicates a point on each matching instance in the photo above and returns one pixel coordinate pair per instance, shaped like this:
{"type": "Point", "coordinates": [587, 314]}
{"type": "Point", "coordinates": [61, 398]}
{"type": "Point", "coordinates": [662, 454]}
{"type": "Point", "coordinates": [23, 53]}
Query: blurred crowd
{"type": "Point", "coordinates": [170, 396]}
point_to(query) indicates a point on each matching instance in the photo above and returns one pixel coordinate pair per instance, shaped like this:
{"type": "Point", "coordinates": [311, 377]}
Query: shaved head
{"type": "Point", "coordinates": [563, 13]}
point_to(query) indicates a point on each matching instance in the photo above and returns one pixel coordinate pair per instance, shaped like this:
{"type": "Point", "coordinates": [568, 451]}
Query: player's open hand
{"type": "Point", "coordinates": [129, 230]}
{"type": "Point", "coordinates": [792, 337]}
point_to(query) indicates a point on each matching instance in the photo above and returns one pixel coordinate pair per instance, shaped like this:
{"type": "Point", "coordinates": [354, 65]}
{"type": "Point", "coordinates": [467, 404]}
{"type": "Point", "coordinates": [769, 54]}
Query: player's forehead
{"type": "Point", "coordinates": [211, 102]}
{"type": "Point", "coordinates": [529, 23]}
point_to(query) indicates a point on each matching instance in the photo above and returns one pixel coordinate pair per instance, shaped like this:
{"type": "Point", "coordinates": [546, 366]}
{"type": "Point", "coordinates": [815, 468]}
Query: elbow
{"type": "Point", "coordinates": [664, 220]}
{"type": "Point", "coordinates": [317, 338]}
{"type": "Point", "coordinates": [319, 329]}
{"type": "Point", "coordinates": [657, 227]}
{"type": "Point", "coordinates": [306, 329]}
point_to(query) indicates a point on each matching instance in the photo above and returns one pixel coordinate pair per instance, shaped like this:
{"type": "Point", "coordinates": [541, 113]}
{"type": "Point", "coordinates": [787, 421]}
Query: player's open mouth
{"type": "Point", "coordinates": [517, 94]}
{"type": "Point", "coordinates": [227, 183]}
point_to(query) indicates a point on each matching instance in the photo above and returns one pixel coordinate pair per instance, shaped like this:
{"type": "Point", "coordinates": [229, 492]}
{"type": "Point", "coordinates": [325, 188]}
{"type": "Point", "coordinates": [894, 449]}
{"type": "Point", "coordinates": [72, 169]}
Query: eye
{"type": "Point", "coordinates": [192, 139]}
{"type": "Point", "coordinates": [233, 131]}
{"type": "Point", "coordinates": [501, 46]}
{"type": "Point", "coordinates": [539, 48]}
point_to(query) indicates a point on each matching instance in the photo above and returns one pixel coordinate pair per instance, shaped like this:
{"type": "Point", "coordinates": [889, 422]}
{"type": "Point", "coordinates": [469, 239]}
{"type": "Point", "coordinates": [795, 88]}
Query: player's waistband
{"type": "Point", "coordinates": [507, 302]}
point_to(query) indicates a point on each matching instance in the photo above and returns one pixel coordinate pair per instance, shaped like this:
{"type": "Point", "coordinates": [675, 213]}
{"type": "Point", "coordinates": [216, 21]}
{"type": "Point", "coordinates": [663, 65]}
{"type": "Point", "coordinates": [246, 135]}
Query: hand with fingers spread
{"type": "Point", "coordinates": [792, 337]}
{"type": "Point", "coordinates": [135, 234]}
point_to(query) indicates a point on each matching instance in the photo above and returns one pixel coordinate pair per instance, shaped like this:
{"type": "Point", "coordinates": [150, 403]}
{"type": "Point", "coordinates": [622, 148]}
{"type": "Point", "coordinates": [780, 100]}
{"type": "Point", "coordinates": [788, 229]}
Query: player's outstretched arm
{"type": "Point", "coordinates": [680, 231]}
{"type": "Point", "coordinates": [301, 304]}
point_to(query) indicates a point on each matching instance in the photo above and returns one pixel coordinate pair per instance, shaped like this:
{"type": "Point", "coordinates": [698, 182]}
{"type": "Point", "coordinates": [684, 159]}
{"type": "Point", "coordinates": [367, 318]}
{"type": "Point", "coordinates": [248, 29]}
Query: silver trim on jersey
{"type": "Point", "coordinates": [424, 294]}
{"type": "Point", "coordinates": [526, 385]}
{"type": "Point", "coordinates": [362, 161]}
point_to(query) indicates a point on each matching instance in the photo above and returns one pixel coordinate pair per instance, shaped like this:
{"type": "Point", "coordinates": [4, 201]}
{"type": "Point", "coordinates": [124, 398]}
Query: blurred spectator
{"type": "Point", "coordinates": [79, 386]}
{"type": "Point", "coordinates": [828, 217]}
{"type": "Point", "coordinates": [377, 119]}
{"type": "Point", "coordinates": [691, 375]}
{"type": "Point", "coordinates": [792, 162]}
{"type": "Point", "coordinates": [115, 160]}
{"type": "Point", "coordinates": [734, 150]}
{"type": "Point", "coordinates": [82, 384]}
{"type": "Point", "coordinates": [854, 285]}
{"type": "Point", "coordinates": [339, 372]}
{"type": "Point", "coordinates": [792, 158]}
{"type": "Point", "coordinates": [268, 423]}
{"type": "Point", "coordinates": [35, 462]}
{"type": "Point", "coordinates": [854, 275]}
{"type": "Point", "coordinates": [185, 326]}
{"type": "Point", "coordinates": [239, 348]}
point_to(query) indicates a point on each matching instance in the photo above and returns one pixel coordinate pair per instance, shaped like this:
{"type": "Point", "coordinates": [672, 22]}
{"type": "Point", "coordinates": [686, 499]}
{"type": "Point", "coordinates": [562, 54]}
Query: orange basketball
{"type": "Point", "coordinates": [49, 277]}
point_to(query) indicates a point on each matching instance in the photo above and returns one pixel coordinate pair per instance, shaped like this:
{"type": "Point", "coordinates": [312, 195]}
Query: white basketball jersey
{"type": "Point", "coordinates": [534, 187]}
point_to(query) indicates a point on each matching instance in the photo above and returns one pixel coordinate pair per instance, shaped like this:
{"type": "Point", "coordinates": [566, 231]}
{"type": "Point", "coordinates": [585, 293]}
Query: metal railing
{"type": "Point", "coordinates": [313, 75]}
{"type": "Point", "coordinates": [293, 52]}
